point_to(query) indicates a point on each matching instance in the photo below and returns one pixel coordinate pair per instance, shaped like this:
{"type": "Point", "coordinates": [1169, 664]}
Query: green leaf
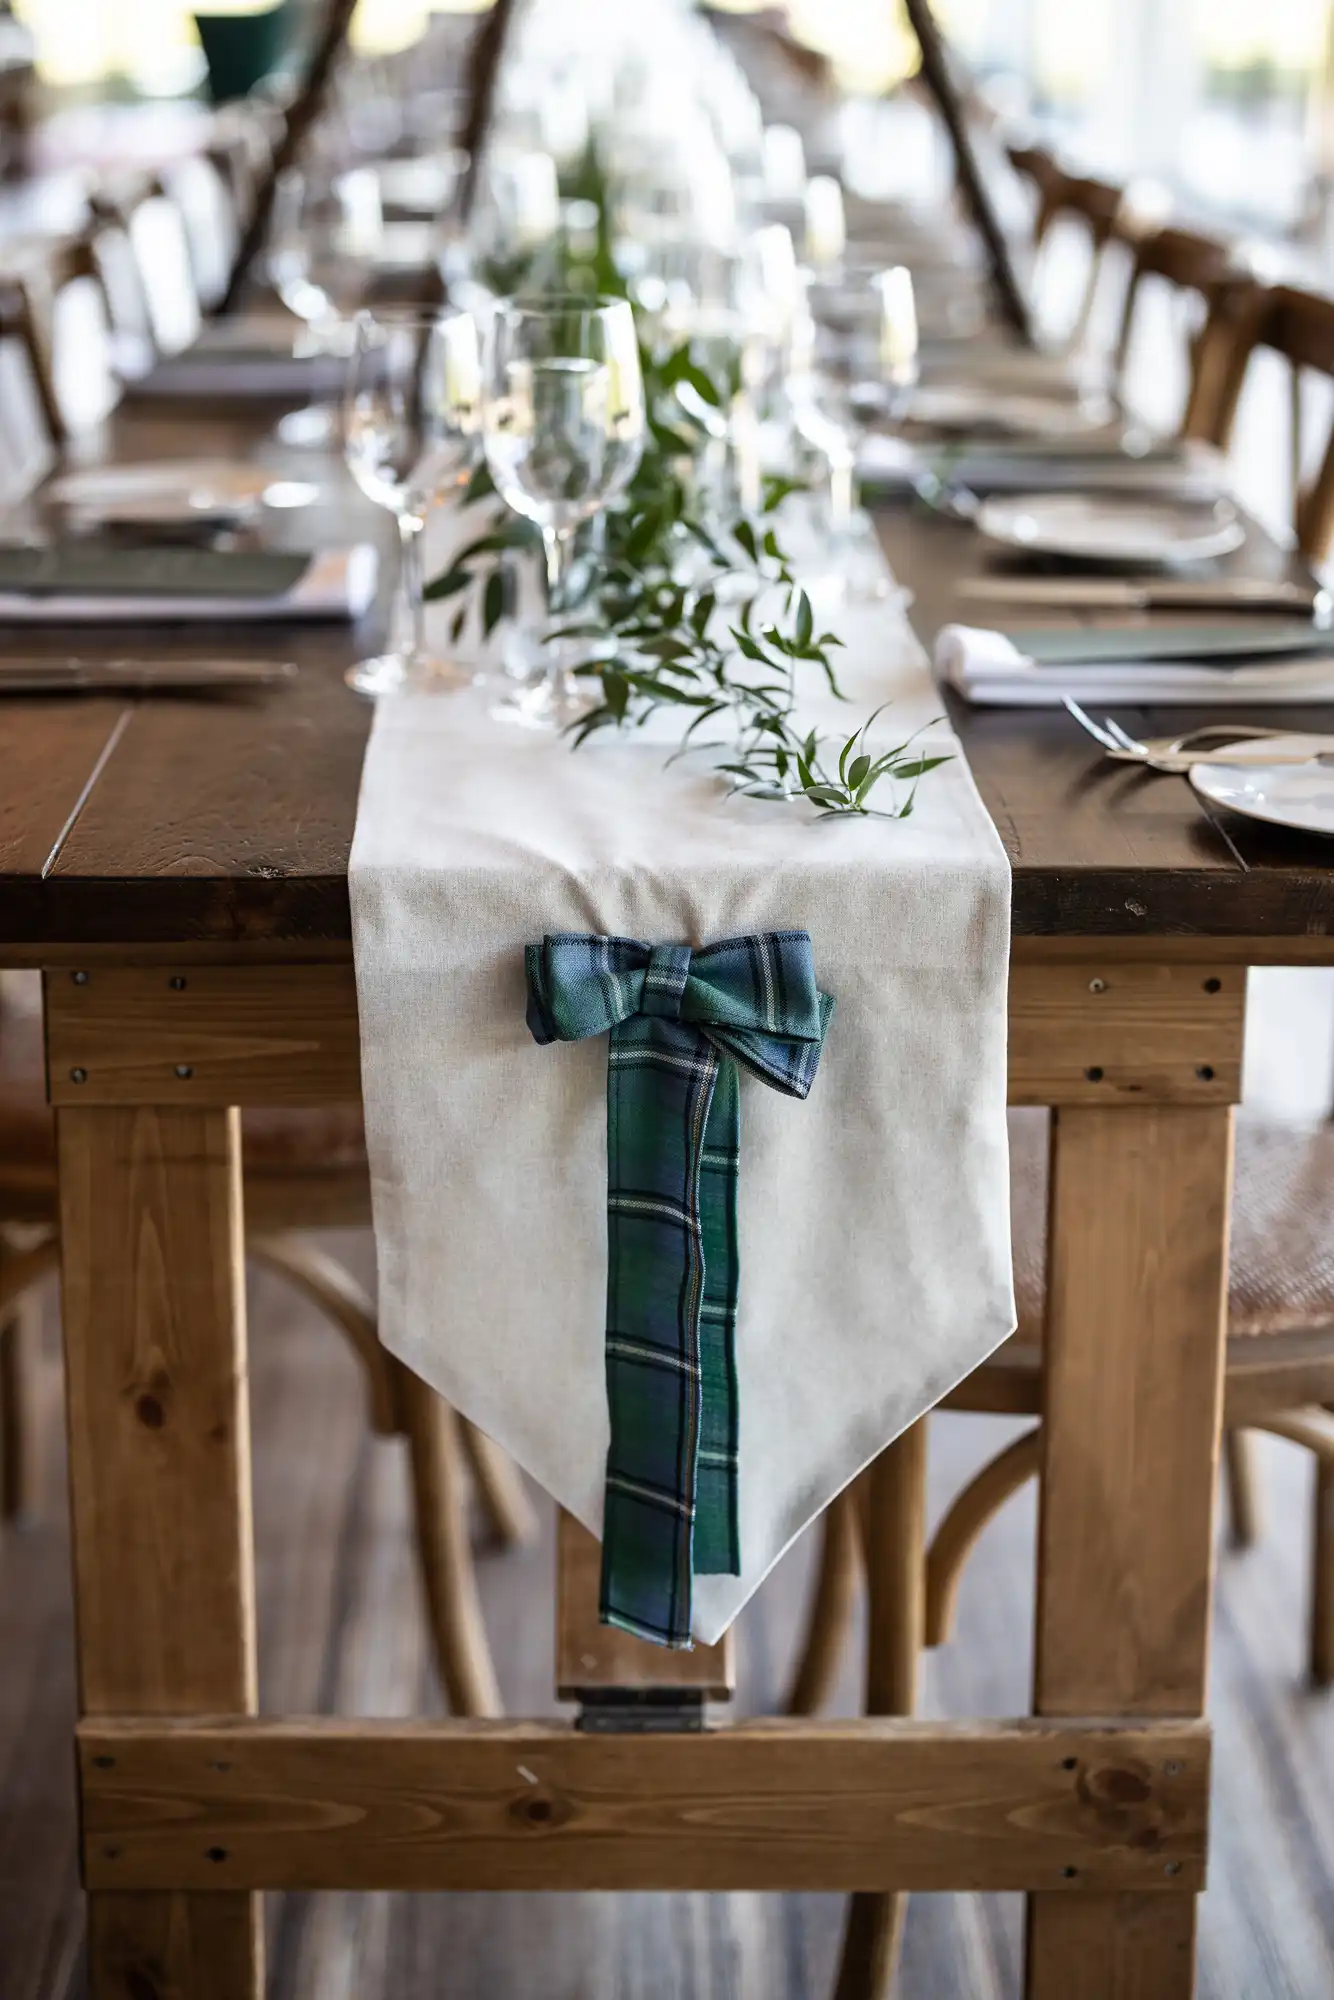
{"type": "Point", "coordinates": [447, 585]}
{"type": "Point", "coordinates": [667, 649]}
{"type": "Point", "coordinates": [702, 383]}
{"type": "Point", "coordinates": [776, 491]}
{"type": "Point", "coordinates": [919, 767]}
{"type": "Point", "coordinates": [805, 620]}
{"type": "Point", "coordinates": [493, 601]}
{"type": "Point", "coordinates": [744, 536]}
{"type": "Point", "coordinates": [480, 484]}
{"type": "Point", "coordinates": [616, 693]}
{"type": "Point", "coordinates": [857, 770]}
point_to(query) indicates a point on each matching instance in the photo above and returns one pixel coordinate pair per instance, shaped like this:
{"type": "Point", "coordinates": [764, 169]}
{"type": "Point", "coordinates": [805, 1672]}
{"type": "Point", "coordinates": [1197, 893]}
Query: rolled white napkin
{"type": "Point", "coordinates": [336, 584]}
{"type": "Point", "coordinates": [989, 670]}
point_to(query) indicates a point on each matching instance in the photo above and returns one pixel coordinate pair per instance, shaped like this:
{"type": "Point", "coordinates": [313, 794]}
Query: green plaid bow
{"type": "Point", "coordinates": [680, 1022]}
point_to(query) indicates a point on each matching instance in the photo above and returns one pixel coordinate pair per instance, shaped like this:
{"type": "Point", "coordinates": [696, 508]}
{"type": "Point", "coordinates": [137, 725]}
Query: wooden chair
{"type": "Point", "coordinates": [149, 271]}
{"type": "Point", "coordinates": [26, 450]}
{"type": "Point", "coordinates": [1280, 1378]}
{"type": "Point", "coordinates": [1299, 326]}
{"type": "Point", "coordinates": [305, 1170]}
{"type": "Point", "coordinates": [64, 318]}
{"type": "Point", "coordinates": [1197, 267]}
{"type": "Point", "coordinates": [205, 191]}
{"type": "Point", "coordinates": [1095, 206]}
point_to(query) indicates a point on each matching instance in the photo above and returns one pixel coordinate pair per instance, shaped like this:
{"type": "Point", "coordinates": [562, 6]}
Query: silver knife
{"type": "Point", "coordinates": [39, 676]}
{"type": "Point", "coordinates": [1242, 593]}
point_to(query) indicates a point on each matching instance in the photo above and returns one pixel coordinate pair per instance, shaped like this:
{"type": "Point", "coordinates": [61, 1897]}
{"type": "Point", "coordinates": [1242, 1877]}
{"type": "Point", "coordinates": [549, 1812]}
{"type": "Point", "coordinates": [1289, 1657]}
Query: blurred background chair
{"type": "Point", "coordinates": [70, 311]}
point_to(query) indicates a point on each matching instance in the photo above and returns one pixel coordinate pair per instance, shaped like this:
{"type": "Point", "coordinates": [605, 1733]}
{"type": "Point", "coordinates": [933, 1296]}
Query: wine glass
{"type": "Point", "coordinates": [411, 418]}
{"type": "Point", "coordinates": [832, 404]}
{"type": "Point", "coordinates": [563, 428]}
{"type": "Point", "coordinates": [326, 233]}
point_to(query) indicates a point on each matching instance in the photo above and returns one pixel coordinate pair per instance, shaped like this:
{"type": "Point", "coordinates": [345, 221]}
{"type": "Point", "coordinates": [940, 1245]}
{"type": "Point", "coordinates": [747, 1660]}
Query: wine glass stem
{"type": "Point", "coordinates": [842, 493]}
{"type": "Point", "coordinates": [557, 544]}
{"type": "Point", "coordinates": [411, 586]}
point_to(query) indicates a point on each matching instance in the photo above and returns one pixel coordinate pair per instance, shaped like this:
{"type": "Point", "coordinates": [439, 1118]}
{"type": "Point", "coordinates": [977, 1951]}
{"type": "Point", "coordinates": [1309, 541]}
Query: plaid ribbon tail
{"type": "Point", "coordinates": [682, 1023]}
{"type": "Point", "coordinates": [673, 1135]}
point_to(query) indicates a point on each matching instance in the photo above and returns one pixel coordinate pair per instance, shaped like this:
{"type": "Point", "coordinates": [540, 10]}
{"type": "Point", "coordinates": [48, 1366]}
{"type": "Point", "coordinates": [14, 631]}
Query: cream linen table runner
{"type": "Point", "coordinates": [873, 1218]}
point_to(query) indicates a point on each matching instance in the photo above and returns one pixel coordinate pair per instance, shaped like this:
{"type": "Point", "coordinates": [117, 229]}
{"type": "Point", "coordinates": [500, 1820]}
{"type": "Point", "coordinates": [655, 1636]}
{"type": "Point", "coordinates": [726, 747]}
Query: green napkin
{"type": "Point", "coordinates": [1242, 637]}
{"type": "Point", "coordinates": [104, 569]}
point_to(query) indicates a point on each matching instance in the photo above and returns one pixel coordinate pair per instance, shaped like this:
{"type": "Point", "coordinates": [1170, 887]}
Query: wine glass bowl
{"type": "Point", "coordinates": [411, 420]}
{"type": "Point", "coordinates": [563, 430]}
{"type": "Point", "coordinates": [833, 403]}
{"type": "Point", "coordinates": [325, 235]}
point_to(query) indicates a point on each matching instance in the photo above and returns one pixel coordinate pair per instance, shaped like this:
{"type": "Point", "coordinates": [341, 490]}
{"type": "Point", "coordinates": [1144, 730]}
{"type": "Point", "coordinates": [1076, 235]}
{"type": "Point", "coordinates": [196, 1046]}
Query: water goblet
{"type": "Point", "coordinates": [411, 422]}
{"type": "Point", "coordinates": [563, 430]}
{"type": "Point", "coordinates": [832, 404]}
{"type": "Point", "coordinates": [326, 233]}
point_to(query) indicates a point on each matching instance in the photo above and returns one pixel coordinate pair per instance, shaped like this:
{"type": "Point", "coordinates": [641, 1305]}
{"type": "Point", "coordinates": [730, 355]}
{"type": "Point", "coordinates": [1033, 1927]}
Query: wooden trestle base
{"type": "Point", "coordinates": [192, 1804]}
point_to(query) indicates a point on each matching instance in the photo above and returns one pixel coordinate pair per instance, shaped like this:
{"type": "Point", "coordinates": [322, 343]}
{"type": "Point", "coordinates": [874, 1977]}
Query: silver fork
{"type": "Point", "coordinates": [1178, 753]}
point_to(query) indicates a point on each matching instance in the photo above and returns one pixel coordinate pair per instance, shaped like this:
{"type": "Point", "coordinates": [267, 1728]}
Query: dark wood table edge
{"type": "Point", "coordinates": [1161, 948]}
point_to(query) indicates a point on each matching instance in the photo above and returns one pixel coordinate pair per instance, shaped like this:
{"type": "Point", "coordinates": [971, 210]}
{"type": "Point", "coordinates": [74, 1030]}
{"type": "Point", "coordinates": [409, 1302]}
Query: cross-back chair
{"type": "Point", "coordinates": [1198, 268]}
{"type": "Point", "coordinates": [1298, 326]}
{"type": "Point", "coordinates": [144, 250]}
{"type": "Point", "coordinates": [1280, 1347]}
{"type": "Point", "coordinates": [1279, 1378]}
{"type": "Point", "coordinates": [66, 324]}
{"type": "Point", "coordinates": [1094, 206]}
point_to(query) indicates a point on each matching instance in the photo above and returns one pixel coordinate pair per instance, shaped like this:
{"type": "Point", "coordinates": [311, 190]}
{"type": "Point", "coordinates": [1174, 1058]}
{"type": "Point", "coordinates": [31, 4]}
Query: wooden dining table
{"type": "Point", "coordinates": [177, 868]}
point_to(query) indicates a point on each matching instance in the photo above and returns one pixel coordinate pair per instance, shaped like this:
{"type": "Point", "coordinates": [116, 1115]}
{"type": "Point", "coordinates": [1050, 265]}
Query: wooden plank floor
{"type": "Point", "coordinates": [340, 1629]}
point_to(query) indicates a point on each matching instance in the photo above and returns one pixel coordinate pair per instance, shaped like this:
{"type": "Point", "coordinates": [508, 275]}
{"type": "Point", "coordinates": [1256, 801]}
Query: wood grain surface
{"type": "Point", "coordinates": [341, 1628]}
{"type": "Point", "coordinates": [159, 1428]}
{"type": "Point", "coordinates": [230, 821]}
{"type": "Point", "coordinates": [313, 1803]}
{"type": "Point", "coordinates": [1133, 1356]}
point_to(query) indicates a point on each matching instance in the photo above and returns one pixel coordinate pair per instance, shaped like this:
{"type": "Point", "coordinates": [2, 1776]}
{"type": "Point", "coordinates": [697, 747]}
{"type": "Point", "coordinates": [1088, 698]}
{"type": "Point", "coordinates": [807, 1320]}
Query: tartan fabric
{"type": "Point", "coordinates": [681, 1023]}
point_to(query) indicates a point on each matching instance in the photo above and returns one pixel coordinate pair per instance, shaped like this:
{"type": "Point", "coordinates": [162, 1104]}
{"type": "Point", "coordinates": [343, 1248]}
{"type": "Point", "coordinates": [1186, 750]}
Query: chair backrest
{"type": "Point", "coordinates": [1034, 165]}
{"type": "Point", "coordinates": [1197, 269]}
{"type": "Point", "coordinates": [27, 447]}
{"type": "Point", "coordinates": [1092, 207]}
{"type": "Point", "coordinates": [1297, 325]}
{"type": "Point", "coordinates": [143, 249]}
{"type": "Point", "coordinates": [212, 218]}
{"type": "Point", "coordinates": [1094, 203]}
{"type": "Point", "coordinates": [63, 318]}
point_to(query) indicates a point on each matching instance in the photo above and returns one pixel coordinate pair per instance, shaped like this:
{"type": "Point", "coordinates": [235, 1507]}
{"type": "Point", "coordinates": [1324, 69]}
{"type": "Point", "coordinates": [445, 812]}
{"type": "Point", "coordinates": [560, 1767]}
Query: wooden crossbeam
{"type": "Point", "coordinates": [1101, 1031]}
{"type": "Point", "coordinates": [327, 1803]}
{"type": "Point", "coordinates": [1094, 1031]}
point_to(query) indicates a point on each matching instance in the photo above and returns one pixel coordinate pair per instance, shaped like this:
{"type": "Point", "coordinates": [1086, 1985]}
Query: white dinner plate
{"type": "Point", "coordinates": [1098, 527]}
{"type": "Point", "coordinates": [977, 407]}
{"type": "Point", "coordinates": [1295, 795]}
{"type": "Point", "coordinates": [169, 490]}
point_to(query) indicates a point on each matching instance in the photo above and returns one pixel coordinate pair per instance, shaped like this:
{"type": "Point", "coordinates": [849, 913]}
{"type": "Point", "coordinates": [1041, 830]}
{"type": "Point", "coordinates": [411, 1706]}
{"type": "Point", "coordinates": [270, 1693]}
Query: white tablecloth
{"type": "Point", "coordinates": [874, 1220]}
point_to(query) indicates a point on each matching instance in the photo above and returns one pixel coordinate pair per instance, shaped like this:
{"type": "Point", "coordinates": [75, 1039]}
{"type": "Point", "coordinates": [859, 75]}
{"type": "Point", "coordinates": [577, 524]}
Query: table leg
{"type": "Point", "coordinates": [159, 1429]}
{"type": "Point", "coordinates": [1137, 1272]}
{"type": "Point", "coordinates": [895, 1518]}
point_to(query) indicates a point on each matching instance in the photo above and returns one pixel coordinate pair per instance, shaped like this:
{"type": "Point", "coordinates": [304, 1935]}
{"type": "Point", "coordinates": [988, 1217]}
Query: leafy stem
{"type": "Point", "coordinates": [688, 603]}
